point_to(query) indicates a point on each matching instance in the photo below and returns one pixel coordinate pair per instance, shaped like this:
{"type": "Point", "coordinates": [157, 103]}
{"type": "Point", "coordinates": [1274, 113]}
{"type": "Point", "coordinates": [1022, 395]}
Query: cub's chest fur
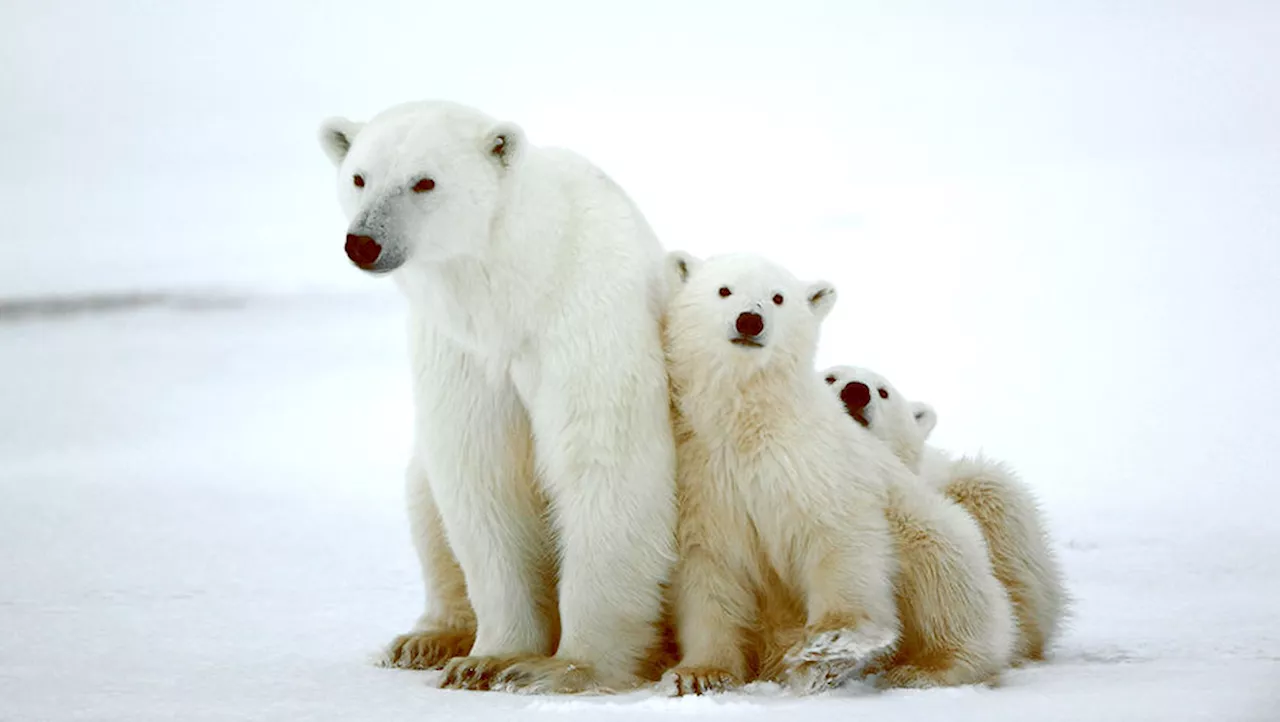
{"type": "Point", "coordinates": [758, 428]}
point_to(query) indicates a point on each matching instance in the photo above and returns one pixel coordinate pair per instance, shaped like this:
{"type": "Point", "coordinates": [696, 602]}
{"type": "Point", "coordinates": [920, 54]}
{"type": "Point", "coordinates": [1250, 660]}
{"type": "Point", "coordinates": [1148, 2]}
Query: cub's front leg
{"type": "Point", "coordinates": [713, 603]}
{"type": "Point", "coordinates": [712, 610]}
{"type": "Point", "coordinates": [848, 579]}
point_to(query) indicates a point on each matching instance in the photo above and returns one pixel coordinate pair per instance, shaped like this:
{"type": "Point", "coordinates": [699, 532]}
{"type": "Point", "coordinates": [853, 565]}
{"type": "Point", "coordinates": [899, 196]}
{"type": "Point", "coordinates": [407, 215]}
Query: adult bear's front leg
{"type": "Point", "coordinates": [447, 627]}
{"type": "Point", "coordinates": [475, 443]}
{"type": "Point", "coordinates": [605, 447]}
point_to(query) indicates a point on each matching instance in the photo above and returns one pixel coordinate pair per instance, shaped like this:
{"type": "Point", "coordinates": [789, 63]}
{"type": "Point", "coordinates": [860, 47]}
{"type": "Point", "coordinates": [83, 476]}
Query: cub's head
{"type": "Point", "coordinates": [875, 404]}
{"type": "Point", "coordinates": [736, 314]}
{"type": "Point", "coordinates": [419, 182]}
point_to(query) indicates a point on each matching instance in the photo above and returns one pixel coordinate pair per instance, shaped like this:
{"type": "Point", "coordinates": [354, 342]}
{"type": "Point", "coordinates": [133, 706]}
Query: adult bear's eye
{"type": "Point", "coordinates": [831, 380]}
{"type": "Point", "coordinates": [725, 292]}
{"type": "Point", "coordinates": [358, 180]}
{"type": "Point", "coordinates": [424, 185]}
{"type": "Point", "coordinates": [883, 393]}
{"type": "Point", "coordinates": [777, 299]}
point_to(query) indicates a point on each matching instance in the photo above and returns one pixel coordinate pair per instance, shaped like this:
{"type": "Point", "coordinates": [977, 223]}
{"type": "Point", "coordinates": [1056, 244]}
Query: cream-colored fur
{"type": "Point", "coordinates": [1001, 504]}
{"type": "Point", "coordinates": [957, 621]}
{"type": "Point", "coordinates": [785, 564]}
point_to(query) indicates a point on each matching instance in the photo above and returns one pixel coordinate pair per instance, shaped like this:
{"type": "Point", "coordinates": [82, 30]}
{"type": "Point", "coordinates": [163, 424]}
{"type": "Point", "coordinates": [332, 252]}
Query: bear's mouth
{"type": "Point", "coordinates": [859, 415]}
{"type": "Point", "coordinates": [746, 341]}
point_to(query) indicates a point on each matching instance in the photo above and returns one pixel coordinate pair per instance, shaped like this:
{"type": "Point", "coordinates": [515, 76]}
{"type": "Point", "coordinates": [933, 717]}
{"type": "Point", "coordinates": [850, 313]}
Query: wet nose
{"type": "Point", "coordinates": [362, 250]}
{"type": "Point", "coordinates": [855, 395]}
{"type": "Point", "coordinates": [750, 324]}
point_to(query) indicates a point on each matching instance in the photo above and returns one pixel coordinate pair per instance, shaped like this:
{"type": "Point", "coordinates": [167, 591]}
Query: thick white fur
{"type": "Point", "coordinates": [957, 621]}
{"type": "Point", "coordinates": [1002, 505]}
{"type": "Point", "coordinates": [785, 555]}
{"type": "Point", "coordinates": [543, 444]}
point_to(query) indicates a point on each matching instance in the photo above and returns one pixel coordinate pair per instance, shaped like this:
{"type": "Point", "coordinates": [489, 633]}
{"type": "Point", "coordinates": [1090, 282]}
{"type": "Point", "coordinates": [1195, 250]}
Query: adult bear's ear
{"type": "Point", "coordinates": [680, 266]}
{"type": "Point", "coordinates": [505, 143]}
{"type": "Point", "coordinates": [336, 136]}
{"type": "Point", "coordinates": [926, 418]}
{"type": "Point", "coordinates": [821, 297]}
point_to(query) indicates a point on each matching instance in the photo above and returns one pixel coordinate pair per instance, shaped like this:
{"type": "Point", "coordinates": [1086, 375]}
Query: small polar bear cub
{"type": "Point", "coordinates": [1002, 505]}
{"type": "Point", "coordinates": [785, 558]}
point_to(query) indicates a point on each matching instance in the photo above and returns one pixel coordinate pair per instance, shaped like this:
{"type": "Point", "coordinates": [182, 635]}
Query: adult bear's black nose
{"type": "Point", "coordinates": [750, 324]}
{"type": "Point", "coordinates": [362, 250]}
{"type": "Point", "coordinates": [855, 395]}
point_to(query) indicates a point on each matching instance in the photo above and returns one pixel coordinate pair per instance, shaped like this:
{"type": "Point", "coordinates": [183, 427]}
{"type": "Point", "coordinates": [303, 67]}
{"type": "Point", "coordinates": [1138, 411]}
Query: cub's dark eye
{"type": "Point", "coordinates": [831, 380]}
{"type": "Point", "coordinates": [725, 292]}
{"type": "Point", "coordinates": [883, 393]}
{"type": "Point", "coordinates": [424, 185]}
{"type": "Point", "coordinates": [358, 180]}
{"type": "Point", "coordinates": [777, 299]}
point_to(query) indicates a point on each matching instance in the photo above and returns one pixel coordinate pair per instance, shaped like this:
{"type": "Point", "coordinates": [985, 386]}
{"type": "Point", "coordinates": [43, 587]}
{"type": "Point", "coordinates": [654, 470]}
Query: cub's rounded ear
{"type": "Point", "coordinates": [822, 297]}
{"type": "Point", "coordinates": [505, 143]}
{"type": "Point", "coordinates": [926, 418]}
{"type": "Point", "coordinates": [680, 266]}
{"type": "Point", "coordinates": [336, 137]}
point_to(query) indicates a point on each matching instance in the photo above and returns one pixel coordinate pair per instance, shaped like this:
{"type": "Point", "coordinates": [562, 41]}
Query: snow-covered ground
{"type": "Point", "coordinates": [200, 519]}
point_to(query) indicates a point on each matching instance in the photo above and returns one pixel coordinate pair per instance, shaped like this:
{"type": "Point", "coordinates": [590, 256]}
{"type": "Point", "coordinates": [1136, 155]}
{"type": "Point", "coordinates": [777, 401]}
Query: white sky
{"type": "Point", "coordinates": [1056, 221]}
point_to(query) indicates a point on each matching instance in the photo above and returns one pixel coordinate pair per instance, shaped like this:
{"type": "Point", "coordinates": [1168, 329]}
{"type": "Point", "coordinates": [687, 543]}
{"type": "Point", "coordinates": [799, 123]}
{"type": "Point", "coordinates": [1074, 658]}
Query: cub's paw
{"type": "Point", "coordinates": [813, 677]}
{"type": "Point", "coordinates": [699, 680]}
{"type": "Point", "coordinates": [551, 675]}
{"type": "Point", "coordinates": [477, 673]}
{"type": "Point", "coordinates": [855, 646]}
{"type": "Point", "coordinates": [427, 649]}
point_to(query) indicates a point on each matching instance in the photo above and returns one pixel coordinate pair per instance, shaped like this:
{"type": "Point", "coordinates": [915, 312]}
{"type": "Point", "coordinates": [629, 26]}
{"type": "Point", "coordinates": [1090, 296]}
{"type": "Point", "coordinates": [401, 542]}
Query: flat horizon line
{"type": "Point", "coordinates": [62, 304]}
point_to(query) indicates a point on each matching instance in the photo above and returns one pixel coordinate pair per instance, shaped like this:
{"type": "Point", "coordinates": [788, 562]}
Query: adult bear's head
{"type": "Point", "coordinates": [420, 182]}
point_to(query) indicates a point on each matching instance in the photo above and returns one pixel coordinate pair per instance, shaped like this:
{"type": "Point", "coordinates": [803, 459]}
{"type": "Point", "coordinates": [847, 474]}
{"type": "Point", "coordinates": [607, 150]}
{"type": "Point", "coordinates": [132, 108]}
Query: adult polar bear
{"type": "Point", "coordinates": [543, 466]}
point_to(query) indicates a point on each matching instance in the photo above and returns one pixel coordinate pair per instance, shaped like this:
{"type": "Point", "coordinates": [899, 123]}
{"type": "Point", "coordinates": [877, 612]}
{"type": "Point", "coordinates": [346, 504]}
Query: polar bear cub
{"type": "Point", "coordinates": [884, 571]}
{"type": "Point", "coordinates": [1002, 505]}
{"type": "Point", "coordinates": [785, 558]}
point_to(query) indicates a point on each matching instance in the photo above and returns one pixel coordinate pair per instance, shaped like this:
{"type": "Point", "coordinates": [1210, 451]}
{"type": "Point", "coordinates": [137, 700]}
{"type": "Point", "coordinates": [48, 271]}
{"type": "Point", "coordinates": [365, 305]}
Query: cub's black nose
{"type": "Point", "coordinates": [750, 324]}
{"type": "Point", "coordinates": [855, 395]}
